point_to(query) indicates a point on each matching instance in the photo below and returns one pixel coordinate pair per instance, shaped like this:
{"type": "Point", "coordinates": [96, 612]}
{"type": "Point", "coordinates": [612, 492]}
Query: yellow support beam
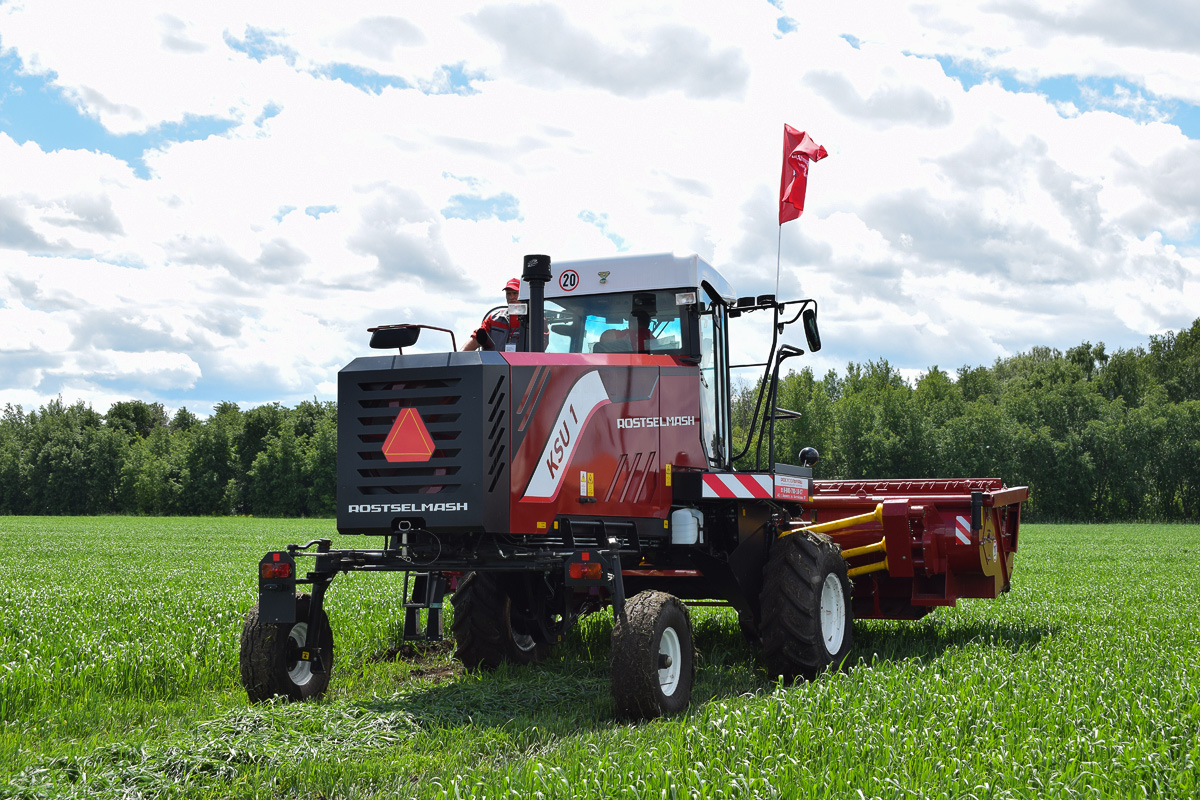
{"type": "Point", "coordinates": [839, 524]}
{"type": "Point", "coordinates": [878, 547]}
{"type": "Point", "coordinates": [879, 567]}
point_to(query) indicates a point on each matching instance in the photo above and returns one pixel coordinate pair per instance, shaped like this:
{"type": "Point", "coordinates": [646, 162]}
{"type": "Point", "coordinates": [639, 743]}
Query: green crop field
{"type": "Point", "coordinates": [119, 678]}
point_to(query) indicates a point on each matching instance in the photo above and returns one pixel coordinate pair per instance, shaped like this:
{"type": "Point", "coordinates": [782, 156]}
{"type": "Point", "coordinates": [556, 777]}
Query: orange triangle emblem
{"type": "Point", "coordinates": [409, 439]}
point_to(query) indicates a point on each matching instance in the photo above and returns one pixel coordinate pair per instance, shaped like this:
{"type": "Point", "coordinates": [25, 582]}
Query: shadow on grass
{"type": "Point", "coordinates": [570, 691]}
{"type": "Point", "coordinates": [929, 638]}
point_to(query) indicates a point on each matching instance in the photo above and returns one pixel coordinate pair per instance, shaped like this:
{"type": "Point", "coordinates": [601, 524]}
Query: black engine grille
{"type": "Point", "coordinates": [462, 400]}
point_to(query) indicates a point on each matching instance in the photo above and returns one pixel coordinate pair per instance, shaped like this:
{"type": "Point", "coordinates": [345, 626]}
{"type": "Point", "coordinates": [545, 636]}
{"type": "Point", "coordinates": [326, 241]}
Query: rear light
{"type": "Point", "coordinates": [273, 570]}
{"type": "Point", "coordinates": [592, 571]}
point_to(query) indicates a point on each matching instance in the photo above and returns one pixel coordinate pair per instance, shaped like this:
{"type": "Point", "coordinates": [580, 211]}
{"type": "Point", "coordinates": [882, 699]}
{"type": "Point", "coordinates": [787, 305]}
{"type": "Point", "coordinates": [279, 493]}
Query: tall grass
{"type": "Point", "coordinates": [118, 677]}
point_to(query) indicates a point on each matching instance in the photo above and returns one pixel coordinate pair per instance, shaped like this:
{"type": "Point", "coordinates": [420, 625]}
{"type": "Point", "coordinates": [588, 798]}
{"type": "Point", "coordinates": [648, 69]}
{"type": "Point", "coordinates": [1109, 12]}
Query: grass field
{"type": "Point", "coordinates": [119, 678]}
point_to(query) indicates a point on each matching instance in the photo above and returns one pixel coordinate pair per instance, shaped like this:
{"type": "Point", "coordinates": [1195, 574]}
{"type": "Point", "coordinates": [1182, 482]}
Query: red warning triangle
{"type": "Point", "coordinates": [409, 439]}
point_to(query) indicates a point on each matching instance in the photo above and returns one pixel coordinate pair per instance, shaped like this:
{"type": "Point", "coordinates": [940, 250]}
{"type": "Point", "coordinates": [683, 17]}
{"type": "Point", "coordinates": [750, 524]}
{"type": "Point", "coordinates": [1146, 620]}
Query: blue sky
{"type": "Point", "coordinates": [221, 211]}
{"type": "Point", "coordinates": [33, 108]}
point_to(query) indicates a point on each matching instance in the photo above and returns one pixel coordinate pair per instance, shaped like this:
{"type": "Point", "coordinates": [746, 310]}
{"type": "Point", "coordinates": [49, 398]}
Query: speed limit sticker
{"type": "Point", "coordinates": [568, 280]}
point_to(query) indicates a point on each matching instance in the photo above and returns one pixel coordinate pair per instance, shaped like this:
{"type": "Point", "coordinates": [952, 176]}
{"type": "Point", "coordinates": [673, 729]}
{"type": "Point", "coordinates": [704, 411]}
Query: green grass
{"type": "Point", "coordinates": [119, 678]}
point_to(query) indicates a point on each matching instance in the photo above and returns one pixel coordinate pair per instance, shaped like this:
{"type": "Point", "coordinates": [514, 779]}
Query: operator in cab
{"type": "Point", "coordinates": [500, 330]}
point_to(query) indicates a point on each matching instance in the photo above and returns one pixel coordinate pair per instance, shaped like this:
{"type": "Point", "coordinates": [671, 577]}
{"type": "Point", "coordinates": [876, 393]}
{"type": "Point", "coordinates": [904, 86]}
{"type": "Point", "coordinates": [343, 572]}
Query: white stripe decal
{"type": "Point", "coordinates": [585, 397]}
{"type": "Point", "coordinates": [734, 486]}
{"type": "Point", "coordinates": [963, 530]}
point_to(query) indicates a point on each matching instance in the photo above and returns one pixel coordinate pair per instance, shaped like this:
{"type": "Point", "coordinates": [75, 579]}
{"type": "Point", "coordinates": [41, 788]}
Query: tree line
{"type": "Point", "coordinates": [1097, 436]}
{"type": "Point", "coordinates": [69, 459]}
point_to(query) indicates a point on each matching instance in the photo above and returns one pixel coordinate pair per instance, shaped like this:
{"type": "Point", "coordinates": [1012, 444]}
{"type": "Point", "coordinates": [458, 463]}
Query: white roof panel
{"type": "Point", "coordinates": [635, 273]}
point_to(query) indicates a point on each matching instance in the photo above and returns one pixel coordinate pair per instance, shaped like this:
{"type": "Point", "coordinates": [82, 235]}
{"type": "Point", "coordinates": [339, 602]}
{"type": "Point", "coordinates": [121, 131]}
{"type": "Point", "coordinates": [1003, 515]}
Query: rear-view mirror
{"type": "Point", "coordinates": [391, 337]}
{"type": "Point", "coordinates": [809, 319]}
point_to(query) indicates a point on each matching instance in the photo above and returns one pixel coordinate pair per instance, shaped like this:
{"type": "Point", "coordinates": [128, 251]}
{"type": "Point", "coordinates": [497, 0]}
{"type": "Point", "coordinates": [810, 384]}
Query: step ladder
{"type": "Point", "coordinates": [426, 595]}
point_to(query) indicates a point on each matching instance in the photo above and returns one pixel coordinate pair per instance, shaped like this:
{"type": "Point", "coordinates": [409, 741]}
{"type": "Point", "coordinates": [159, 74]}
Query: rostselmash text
{"type": "Point", "coordinates": [654, 422]}
{"type": "Point", "coordinates": [403, 508]}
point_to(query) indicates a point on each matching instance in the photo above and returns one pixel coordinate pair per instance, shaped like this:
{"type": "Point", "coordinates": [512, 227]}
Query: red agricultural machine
{"type": "Point", "coordinates": [593, 466]}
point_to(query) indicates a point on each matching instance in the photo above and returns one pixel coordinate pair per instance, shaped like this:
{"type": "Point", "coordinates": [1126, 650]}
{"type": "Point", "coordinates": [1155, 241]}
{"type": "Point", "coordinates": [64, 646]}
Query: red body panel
{"type": "Point", "coordinates": [593, 434]}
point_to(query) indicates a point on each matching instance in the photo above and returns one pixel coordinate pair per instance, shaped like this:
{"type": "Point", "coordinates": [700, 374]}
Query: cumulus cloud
{"type": "Point", "coordinates": [1156, 24]}
{"type": "Point", "coordinates": [887, 105]}
{"type": "Point", "coordinates": [86, 212]}
{"type": "Point", "coordinates": [540, 42]}
{"type": "Point", "coordinates": [403, 235]}
{"type": "Point", "coordinates": [378, 37]}
{"type": "Point", "coordinates": [17, 234]}
{"type": "Point", "coordinates": [175, 36]}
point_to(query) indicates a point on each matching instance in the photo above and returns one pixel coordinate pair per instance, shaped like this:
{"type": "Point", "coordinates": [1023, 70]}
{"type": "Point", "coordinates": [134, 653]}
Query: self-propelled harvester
{"type": "Point", "coordinates": [593, 467]}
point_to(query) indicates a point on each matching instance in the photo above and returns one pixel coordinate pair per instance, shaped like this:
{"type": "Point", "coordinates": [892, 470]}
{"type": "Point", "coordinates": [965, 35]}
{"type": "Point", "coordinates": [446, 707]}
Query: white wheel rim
{"type": "Point", "coordinates": [300, 673]}
{"type": "Point", "coordinates": [668, 676]}
{"type": "Point", "coordinates": [833, 614]}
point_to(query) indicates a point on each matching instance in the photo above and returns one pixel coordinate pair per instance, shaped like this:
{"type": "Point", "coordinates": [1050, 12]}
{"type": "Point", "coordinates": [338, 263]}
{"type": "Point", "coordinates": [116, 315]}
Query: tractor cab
{"type": "Point", "coordinates": [666, 305]}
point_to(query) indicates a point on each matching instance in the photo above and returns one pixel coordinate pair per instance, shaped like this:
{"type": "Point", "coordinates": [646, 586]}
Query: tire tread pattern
{"type": "Point", "coordinates": [482, 625]}
{"type": "Point", "coordinates": [262, 658]}
{"type": "Point", "coordinates": [791, 605]}
{"type": "Point", "coordinates": [634, 665]}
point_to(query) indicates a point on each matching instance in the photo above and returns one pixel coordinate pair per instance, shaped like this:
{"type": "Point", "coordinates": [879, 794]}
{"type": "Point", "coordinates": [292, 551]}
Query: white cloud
{"type": "Point", "coordinates": [949, 226]}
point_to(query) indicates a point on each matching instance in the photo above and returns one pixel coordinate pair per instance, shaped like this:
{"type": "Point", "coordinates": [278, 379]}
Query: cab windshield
{"type": "Point", "coordinates": [630, 322]}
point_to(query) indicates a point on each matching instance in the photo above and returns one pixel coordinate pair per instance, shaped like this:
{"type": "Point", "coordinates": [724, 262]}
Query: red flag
{"type": "Point", "coordinates": [798, 150]}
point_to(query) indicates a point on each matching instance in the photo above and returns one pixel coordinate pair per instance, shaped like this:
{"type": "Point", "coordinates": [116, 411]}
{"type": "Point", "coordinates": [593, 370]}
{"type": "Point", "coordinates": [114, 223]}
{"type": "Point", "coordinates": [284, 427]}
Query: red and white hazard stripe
{"type": "Point", "coordinates": [738, 486]}
{"type": "Point", "coordinates": [962, 529]}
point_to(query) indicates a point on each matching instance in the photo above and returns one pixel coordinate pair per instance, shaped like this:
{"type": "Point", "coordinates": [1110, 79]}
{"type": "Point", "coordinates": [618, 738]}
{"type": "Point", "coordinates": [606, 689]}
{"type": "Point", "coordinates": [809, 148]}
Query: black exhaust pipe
{"type": "Point", "coordinates": [536, 273]}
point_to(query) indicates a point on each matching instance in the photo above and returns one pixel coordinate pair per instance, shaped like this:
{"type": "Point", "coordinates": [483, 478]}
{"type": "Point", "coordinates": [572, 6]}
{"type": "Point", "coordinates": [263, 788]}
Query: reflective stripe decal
{"type": "Point", "coordinates": [740, 486]}
{"type": "Point", "coordinates": [962, 530]}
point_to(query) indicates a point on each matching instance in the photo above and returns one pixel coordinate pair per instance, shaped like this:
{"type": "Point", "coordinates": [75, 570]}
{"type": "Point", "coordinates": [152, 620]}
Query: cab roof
{"type": "Point", "coordinates": [634, 273]}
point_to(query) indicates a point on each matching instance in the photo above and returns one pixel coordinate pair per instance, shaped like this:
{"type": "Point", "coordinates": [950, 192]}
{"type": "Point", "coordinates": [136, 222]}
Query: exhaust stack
{"type": "Point", "coordinates": [536, 273]}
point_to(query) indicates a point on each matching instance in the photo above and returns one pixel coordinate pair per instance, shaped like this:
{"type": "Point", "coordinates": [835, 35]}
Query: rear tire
{"type": "Point", "coordinates": [652, 657]}
{"type": "Point", "coordinates": [807, 621]}
{"type": "Point", "coordinates": [489, 628]}
{"type": "Point", "coordinates": [270, 656]}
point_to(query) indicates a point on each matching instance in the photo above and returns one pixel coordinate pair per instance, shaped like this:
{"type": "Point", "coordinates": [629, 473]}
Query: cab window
{"type": "Point", "coordinates": [629, 322]}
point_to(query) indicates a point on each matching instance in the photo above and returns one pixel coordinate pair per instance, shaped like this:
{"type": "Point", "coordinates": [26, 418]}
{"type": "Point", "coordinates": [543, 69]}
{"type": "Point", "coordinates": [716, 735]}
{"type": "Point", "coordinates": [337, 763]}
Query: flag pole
{"type": "Point", "coordinates": [778, 248]}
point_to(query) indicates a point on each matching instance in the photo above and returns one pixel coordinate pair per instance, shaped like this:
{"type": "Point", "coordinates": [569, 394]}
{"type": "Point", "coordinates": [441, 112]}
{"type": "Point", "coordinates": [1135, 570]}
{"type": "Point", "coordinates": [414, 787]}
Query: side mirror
{"type": "Point", "coordinates": [809, 318]}
{"type": "Point", "coordinates": [391, 337]}
{"type": "Point", "coordinates": [809, 456]}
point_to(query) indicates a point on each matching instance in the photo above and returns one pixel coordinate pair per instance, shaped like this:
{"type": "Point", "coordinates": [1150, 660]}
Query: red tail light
{"type": "Point", "coordinates": [281, 569]}
{"type": "Point", "coordinates": [592, 571]}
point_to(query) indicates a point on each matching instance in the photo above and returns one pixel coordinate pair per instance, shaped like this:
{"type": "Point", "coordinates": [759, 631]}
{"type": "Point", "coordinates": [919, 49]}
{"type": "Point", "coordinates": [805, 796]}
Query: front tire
{"type": "Point", "coordinates": [652, 657]}
{"type": "Point", "coordinates": [270, 656]}
{"type": "Point", "coordinates": [807, 621]}
{"type": "Point", "coordinates": [490, 629]}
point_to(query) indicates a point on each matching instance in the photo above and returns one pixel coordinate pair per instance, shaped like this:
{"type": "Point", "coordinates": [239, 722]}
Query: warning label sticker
{"type": "Point", "coordinates": [790, 487]}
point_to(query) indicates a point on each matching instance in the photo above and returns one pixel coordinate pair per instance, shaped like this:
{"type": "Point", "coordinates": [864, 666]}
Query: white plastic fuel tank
{"type": "Point", "coordinates": [687, 526]}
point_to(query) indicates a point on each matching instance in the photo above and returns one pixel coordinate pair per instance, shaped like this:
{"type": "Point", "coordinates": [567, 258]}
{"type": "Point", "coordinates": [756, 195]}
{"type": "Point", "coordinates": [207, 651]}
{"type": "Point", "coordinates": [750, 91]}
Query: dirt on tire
{"type": "Point", "coordinates": [793, 579]}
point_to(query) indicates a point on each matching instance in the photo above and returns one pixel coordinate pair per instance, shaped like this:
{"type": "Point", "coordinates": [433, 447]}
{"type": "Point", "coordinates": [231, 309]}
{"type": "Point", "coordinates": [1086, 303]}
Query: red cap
{"type": "Point", "coordinates": [514, 284]}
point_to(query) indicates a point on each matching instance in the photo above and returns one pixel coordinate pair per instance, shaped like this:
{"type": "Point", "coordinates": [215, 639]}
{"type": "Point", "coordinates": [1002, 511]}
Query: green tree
{"type": "Point", "coordinates": [274, 484]}
{"type": "Point", "coordinates": [320, 468]}
{"type": "Point", "coordinates": [209, 471]}
{"type": "Point", "coordinates": [1126, 375]}
{"type": "Point", "coordinates": [16, 433]}
{"type": "Point", "coordinates": [184, 420]}
{"type": "Point", "coordinates": [136, 417]}
{"type": "Point", "coordinates": [1175, 363]}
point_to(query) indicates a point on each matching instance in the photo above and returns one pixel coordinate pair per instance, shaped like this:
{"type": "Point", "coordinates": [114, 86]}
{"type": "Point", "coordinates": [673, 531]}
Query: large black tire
{"type": "Point", "coordinates": [807, 620]}
{"type": "Point", "coordinates": [490, 629]}
{"type": "Point", "coordinates": [270, 656]}
{"type": "Point", "coordinates": [652, 657]}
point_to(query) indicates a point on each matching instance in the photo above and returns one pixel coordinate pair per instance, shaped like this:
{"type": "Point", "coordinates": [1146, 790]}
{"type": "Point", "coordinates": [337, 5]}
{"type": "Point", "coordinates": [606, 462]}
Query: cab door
{"type": "Point", "coordinates": [715, 433]}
